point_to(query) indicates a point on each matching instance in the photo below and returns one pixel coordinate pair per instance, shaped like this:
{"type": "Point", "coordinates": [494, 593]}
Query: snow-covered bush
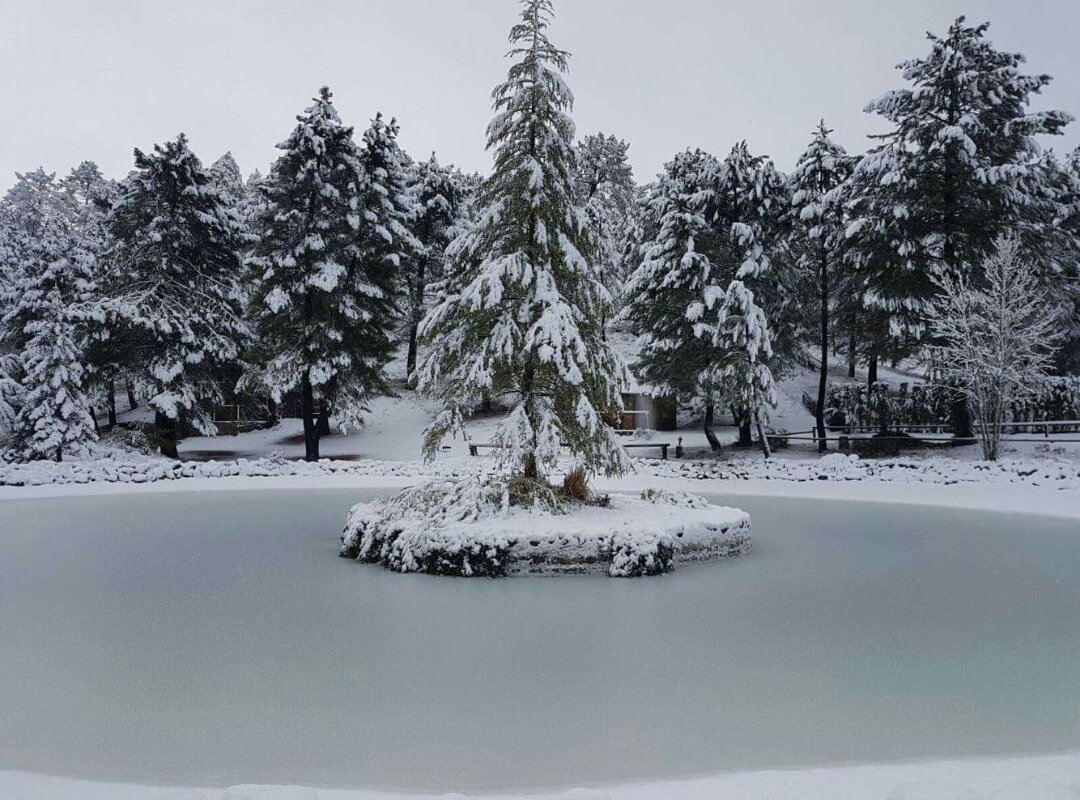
{"type": "Point", "coordinates": [856, 404]}
{"type": "Point", "coordinates": [412, 531]}
{"type": "Point", "coordinates": [134, 439]}
{"type": "Point", "coordinates": [1049, 398]}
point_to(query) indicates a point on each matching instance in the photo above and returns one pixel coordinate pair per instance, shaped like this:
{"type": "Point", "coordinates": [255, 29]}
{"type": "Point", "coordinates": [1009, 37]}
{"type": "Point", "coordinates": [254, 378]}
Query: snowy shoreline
{"type": "Point", "coordinates": [1036, 486]}
{"type": "Point", "coordinates": [1058, 473]}
{"type": "Point", "coordinates": [1006, 777]}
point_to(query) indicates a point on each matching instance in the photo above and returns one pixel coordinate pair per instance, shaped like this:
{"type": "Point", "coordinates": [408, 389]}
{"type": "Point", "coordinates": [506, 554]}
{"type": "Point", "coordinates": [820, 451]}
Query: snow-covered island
{"type": "Point", "coordinates": [471, 529]}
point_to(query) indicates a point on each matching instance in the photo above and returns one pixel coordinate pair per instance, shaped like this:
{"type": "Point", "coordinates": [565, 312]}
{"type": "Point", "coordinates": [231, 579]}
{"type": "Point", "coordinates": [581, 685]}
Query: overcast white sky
{"type": "Point", "coordinates": [82, 79]}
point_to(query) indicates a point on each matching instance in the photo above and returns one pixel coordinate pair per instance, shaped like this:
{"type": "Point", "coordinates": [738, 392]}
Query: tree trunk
{"type": "Point", "coordinates": [823, 377]}
{"type": "Point", "coordinates": [166, 430]}
{"type": "Point", "coordinates": [93, 416]}
{"type": "Point", "coordinates": [746, 434]}
{"type": "Point", "coordinates": [531, 468]}
{"type": "Point", "coordinates": [417, 315]}
{"type": "Point", "coordinates": [871, 370]}
{"type": "Point", "coordinates": [324, 419]}
{"type": "Point", "coordinates": [410, 359]}
{"type": "Point", "coordinates": [710, 436]}
{"type": "Point", "coordinates": [307, 412]}
{"type": "Point", "coordinates": [132, 402]}
{"type": "Point", "coordinates": [851, 357]}
{"type": "Point", "coordinates": [59, 455]}
{"type": "Point", "coordinates": [960, 416]}
{"type": "Point", "coordinates": [110, 401]}
{"type": "Point", "coordinates": [763, 437]}
{"type": "Point", "coordinates": [272, 414]}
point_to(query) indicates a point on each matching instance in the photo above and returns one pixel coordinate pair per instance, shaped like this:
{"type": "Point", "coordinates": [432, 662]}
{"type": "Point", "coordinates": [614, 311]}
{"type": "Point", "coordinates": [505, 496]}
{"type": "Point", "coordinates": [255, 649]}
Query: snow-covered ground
{"type": "Point", "coordinates": [1030, 778]}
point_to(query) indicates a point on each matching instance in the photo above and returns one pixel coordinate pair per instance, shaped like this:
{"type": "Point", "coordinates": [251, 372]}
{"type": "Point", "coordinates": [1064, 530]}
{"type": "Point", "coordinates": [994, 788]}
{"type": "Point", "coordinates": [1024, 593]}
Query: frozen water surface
{"type": "Point", "coordinates": [216, 638]}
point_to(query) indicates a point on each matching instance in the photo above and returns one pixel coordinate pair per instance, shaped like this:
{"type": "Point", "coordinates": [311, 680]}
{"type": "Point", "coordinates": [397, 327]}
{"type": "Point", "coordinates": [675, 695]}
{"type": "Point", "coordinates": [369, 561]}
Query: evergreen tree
{"type": "Point", "coordinates": [225, 176]}
{"type": "Point", "coordinates": [960, 168]}
{"type": "Point", "coordinates": [331, 236]}
{"type": "Point", "coordinates": [175, 303]}
{"type": "Point", "coordinates": [1068, 357]}
{"type": "Point", "coordinates": [743, 202]}
{"type": "Point", "coordinates": [49, 272]}
{"type": "Point", "coordinates": [55, 416]}
{"type": "Point", "coordinates": [818, 235]}
{"type": "Point", "coordinates": [605, 189]}
{"type": "Point", "coordinates": [521, 316]}
{"type": "Point", "coordinates": [694, 296]}
{"type": "Point", "coordinates": [672, 294]}
{"type": "Point", "coordinates": [92, 196]}
{"type": "Point", "coordinates": [438, 196]}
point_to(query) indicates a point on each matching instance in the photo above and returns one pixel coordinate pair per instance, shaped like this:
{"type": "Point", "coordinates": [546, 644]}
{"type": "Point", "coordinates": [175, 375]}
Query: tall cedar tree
{"type": "Point", "coordinates": [176, 297]}
{"type": "Point", "coordinates": [437, 192]}
{"type": "Point", "coordinates": [331, 225]}
{"type": "Point", "coordinates": [48, 272]}
{"type": "Point", "coordinates": [521, 316]}
{"type": "Point", "coordinates": [817, 229]}
{"type": "Point", "coordinates": [960, 168]}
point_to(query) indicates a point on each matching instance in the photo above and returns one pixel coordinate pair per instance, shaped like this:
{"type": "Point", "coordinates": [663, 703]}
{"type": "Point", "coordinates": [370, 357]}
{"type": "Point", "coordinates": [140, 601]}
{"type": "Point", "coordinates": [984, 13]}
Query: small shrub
{"type": "Point", "coordinates": [575, 486]}
{"type": "Point", "coordinates": [634, 557]}
{"type": "Point", "coordinates": [133, 438]}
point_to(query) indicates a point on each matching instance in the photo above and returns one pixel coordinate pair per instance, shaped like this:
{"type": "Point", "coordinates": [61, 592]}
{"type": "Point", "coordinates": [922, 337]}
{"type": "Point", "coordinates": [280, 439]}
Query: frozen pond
{"type": "Point", "coordinates": [216, 638]}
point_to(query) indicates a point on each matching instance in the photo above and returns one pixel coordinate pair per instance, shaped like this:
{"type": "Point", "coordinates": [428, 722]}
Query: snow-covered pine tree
{"type": "Point", "coordinates": [331, 235]}
{"type": "Point", "coordinates": [640, 226]}
{"type": "Point", "coordinates": [671, 296]}
{"type": "Point", "coordinates": [743, 201]}
{"type": "Point", "coordinates": [960, 168]}
{"type": "Point", "coordinates": [48, 273]}
{"type": "Point", "coordinates": [605, 189]}
{"type": "Point", "coordinates": [521, 313]}
{"type": "Point", "coordinates": [176, 300]}
{"type": "Point", "coordinates": [92, 195]}
{"type": "Point", "coordinates": [705, 335]}
{"type": "Point", "coordinates": [437, 194]}
{"type": "Point", "coordinates": [55, 416]}
{"type": "Point", "coordinates": [1067, 359]}
{"type": "Point", "coordinates": [817, 231]}
{"type": "Point", "coordinates": [225, 176]}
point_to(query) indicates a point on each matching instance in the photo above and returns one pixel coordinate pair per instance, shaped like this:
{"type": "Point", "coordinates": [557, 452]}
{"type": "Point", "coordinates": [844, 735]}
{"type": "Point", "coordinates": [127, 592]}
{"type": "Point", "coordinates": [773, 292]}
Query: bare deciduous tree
{"type": "Point", "coordinates": [999, 336]}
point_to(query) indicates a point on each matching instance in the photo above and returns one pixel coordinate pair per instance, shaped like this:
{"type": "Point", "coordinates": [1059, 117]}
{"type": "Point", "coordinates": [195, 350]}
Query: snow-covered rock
{"type": "Point", "coordinates": [470, 528]}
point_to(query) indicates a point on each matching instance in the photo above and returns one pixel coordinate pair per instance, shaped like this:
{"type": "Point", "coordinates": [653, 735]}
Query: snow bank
{"type": "Point", "coordinates": [125, 468]}
{"type": "Point", "coordinates": [469, 528]}
{"type": "Point", "coordinates": [1026, 778]}
{"type": "Point", "coordinates": [840, 467]}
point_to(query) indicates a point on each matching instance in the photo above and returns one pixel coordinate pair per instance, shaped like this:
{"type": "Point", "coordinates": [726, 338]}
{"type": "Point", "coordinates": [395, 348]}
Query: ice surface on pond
{"type": "Point", "coordinates": [215, 639]}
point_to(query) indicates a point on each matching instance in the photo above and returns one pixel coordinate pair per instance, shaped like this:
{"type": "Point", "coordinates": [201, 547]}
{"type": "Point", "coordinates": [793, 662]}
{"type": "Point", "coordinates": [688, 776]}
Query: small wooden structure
{"type": "Point", "coordinates": [642, 411]}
